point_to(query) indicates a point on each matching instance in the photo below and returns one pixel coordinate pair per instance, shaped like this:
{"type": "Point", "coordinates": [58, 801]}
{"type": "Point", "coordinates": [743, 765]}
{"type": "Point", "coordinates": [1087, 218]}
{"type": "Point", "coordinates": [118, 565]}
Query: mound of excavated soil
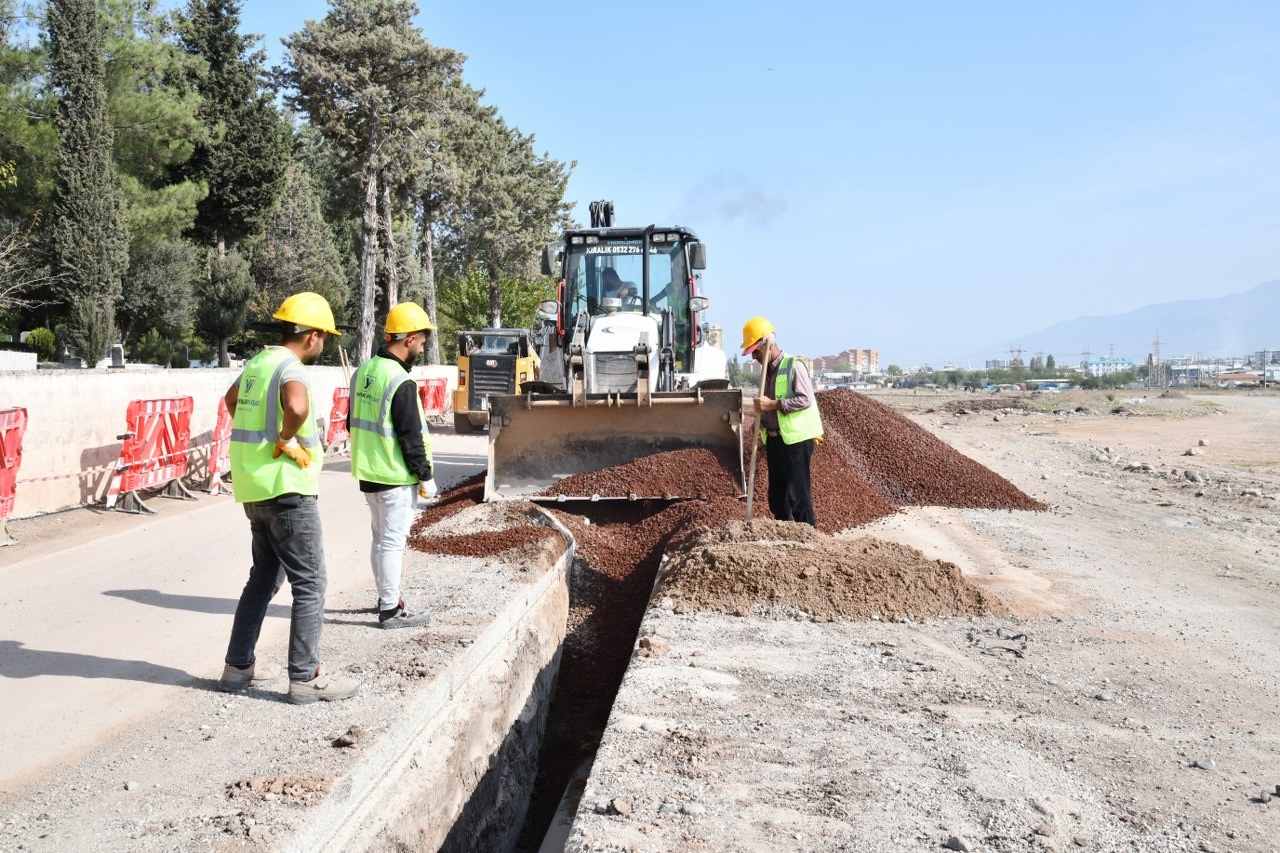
{"type": "Point", "coordinates": [766, 565]}
{"type": "Point", "coordinates": [483, 543]}
{"type": "Point", "coordinates": [872, 460]}
{"type": "Point", "coordinates": [983, 404]}
{"type": "Point", "coordinates": [693, 472]}
{"type": "Point", "coordinates": [465, 494]}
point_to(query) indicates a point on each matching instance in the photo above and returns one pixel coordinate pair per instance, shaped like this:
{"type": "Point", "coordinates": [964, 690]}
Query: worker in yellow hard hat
{"type": "Point", "coordinates": [275, 472]}
{"type": "Point", "coordinates": [788, 422]}
{"type": "Point", "coordinates": [391, 453]}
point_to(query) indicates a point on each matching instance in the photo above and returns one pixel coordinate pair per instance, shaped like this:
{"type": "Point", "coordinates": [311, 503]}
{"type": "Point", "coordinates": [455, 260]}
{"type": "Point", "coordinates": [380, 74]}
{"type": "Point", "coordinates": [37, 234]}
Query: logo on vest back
{"type": "Point", "coordinates": [248, 384]}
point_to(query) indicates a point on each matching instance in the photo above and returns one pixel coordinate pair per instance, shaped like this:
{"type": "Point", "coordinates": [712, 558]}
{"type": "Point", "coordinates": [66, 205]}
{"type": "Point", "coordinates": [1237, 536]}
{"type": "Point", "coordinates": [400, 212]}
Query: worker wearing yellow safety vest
{"type": "Point", "coordinates": [789, 423]}
{"type": "Point", "coordinates": [391, 453]}
{"type": "Point", "coordinates": [275, 473]}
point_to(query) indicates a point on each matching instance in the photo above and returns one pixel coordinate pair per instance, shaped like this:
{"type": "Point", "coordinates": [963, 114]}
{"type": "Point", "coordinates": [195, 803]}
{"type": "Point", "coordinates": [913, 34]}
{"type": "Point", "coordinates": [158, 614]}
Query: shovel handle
{"type": "Point", "coordinates": [755, 447]}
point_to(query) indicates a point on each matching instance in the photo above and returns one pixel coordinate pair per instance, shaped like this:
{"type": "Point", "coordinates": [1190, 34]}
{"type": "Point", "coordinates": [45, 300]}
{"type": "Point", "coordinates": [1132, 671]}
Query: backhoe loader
{"type": "Point", "coordinates": [629, 367]}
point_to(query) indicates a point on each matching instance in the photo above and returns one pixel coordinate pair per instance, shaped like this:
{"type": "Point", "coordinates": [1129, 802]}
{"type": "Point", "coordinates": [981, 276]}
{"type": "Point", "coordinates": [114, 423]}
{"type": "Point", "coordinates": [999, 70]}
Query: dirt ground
{"type": "Point", "coordinates": [1126, 698]}
{"type": "Point", "coordinates": [1122, 696]}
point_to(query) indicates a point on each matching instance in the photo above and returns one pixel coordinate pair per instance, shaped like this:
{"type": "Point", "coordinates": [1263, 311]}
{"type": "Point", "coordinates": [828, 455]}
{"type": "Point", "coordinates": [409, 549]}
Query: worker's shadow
{"type": "Point", "coordinates": [193, 603]}
{"type": "Point", "coordinates": [17, 661]}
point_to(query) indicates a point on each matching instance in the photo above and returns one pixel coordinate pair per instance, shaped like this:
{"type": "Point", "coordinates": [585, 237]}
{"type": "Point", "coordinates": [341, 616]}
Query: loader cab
{"type": "Point", "coordinates": [668, 280]}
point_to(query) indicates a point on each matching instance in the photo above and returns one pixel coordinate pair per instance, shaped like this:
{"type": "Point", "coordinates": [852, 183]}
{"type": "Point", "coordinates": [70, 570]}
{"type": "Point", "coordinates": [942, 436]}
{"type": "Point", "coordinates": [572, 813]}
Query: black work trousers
{"type": "Point", "coordinates": [790, 495]}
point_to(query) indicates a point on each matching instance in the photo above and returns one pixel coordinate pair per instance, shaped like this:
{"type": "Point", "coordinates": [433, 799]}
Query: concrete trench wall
{"type": "Point", "coordinates": [74, 416]}
{"type": "Point", "coordinates": [456, 771]}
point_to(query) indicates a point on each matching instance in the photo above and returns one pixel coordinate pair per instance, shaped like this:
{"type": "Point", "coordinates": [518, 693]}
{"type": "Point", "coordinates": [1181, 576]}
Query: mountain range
{"type": "Point", "coordinates": [1238, 324]}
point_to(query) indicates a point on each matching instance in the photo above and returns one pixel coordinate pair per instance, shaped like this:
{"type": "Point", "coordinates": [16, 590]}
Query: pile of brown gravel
{"type": "Point", "coordinates": [872, 460]}
{"type": "Point", "coordinates": [696, 472]}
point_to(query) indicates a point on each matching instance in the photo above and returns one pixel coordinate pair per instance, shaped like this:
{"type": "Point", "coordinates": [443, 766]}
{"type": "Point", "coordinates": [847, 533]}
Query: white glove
{"type": "Point", "coordinates": [427, 489]}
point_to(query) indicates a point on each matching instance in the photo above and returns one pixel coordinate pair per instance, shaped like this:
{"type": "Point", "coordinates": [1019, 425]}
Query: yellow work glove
{"type": "Point", "coordinates": [427, 489]}
{"type": "Point", "coordinates": [293, 451]}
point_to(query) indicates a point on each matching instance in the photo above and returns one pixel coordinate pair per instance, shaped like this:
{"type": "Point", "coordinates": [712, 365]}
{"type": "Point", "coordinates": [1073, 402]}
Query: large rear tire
{"type": "Point", "coordinates": [462, 424]}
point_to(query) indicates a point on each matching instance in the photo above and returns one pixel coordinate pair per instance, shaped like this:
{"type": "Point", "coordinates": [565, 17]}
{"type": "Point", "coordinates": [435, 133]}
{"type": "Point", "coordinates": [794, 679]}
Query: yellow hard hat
{"type": "Point", "coordinates": [753, 332]}
{"type": "Point", "coordinates": [407, 318]}
{"type": "Point", "coordinates": [308, 309]}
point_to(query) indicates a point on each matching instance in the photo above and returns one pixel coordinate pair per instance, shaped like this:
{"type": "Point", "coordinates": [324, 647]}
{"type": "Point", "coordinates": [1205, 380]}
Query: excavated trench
{"type": "Point", "coordinates": [871, 462]}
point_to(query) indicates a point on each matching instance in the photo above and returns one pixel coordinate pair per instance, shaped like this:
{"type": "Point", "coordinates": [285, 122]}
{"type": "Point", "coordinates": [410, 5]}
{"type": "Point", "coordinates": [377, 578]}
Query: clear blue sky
{"type": "Point", "coordinates": [918, 178]}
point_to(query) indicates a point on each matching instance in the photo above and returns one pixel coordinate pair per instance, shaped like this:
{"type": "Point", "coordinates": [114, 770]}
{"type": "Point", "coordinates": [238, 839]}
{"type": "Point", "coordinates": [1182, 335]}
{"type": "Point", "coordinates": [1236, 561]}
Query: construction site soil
{"type": "Point", "coordinates": [1107, 679]}
{"type": "Point", "coordinates": [869, 462]}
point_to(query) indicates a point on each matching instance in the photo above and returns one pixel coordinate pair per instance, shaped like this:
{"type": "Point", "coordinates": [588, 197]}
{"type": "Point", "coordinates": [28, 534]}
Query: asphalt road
{"type": "Point", "coordinates": [107, 617]}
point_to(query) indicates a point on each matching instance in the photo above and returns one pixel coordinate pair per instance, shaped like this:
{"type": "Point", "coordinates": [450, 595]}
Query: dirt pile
{"type": "Point", "coordinates": [968, 406]}
{"type": "Point", "coordinates": [694, 472]}
{"type": "Point", "coordinates": [765, 566]}
{"type": "Point", "coordinates": [465, 494]}
{"type": "Point", "coordinates": [870, 462]}
{"type": "Point", "coordinates": [483, 543]}
{"type": "Point", "coordinates": [873, 460]}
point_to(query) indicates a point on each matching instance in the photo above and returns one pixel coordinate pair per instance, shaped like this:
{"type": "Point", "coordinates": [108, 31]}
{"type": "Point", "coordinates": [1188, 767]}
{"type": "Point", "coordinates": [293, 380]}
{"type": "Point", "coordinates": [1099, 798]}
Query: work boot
{"type": "Point", "coordinates": [398, 617]}
{"type": "Point", "coordinates": [235, 679]}
{"type": "Point", "coordinates": [323, 688]}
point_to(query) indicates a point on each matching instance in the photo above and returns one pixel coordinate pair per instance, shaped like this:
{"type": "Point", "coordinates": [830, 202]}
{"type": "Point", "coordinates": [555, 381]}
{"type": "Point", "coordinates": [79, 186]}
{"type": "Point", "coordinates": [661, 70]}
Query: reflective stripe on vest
{"type": "Point", "coordinates": [255, 475]}
{"type": "Point", "coordinates": [376, 456]}
{"type": "Point", "coordinates": [794, 427]}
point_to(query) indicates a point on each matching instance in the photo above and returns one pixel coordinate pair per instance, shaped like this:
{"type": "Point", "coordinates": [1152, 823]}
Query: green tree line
{"type": "Point", "coordinates": [162, 188]}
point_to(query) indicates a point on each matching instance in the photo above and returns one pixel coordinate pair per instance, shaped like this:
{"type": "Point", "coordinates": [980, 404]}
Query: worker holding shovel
{"type": "Point", "coordinates": [788, 422]}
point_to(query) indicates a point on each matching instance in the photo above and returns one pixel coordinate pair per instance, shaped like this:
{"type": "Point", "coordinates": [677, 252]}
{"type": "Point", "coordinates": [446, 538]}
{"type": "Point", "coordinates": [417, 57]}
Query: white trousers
{"type": "Point", "coordinates": [390, 515]}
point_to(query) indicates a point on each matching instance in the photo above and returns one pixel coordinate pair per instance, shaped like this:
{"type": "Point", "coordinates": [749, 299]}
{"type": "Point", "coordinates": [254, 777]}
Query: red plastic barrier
{"type": "Point", "coordinates": [337, 433]}
{"type": "Point", "coordinates": [154, 452]}
{"type": "Point", "coordinates": [13, 423]}
{"type": "Point", "coordinates": [434, 395]}
{"type": "Point", "coordinates": [220, 450]}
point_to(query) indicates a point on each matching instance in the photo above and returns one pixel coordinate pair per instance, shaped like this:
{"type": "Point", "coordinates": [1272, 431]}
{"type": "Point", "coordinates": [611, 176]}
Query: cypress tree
{"type": "Point", "coordinates": [88, 232]}
{"type": "Point", "coordinates": [244, 163]}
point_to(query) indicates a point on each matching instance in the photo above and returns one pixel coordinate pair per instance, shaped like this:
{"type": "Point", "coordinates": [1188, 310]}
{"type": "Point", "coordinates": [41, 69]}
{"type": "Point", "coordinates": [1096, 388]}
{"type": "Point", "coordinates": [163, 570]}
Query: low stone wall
{"type": "Point", "coordinates": [456, 770]}
{"type": "Point", "coordinates": [73, 417]}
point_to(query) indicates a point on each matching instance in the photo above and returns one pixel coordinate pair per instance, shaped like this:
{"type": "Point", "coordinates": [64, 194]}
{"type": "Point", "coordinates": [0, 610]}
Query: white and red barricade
{"type": "Point", "coordinates": [154, 454]}
{"type": "Point", "coordinates": [336, 437]}
{"type": "Point", "coordinates": [13, 424]}
{"type": "Point", "coordinates": [434, 394]}
{"type": "Point", "coordinates": [220, 450]}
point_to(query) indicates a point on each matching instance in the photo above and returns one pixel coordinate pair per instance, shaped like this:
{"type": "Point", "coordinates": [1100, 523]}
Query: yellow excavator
{"type": "Point", "coordinates": [629, 366]}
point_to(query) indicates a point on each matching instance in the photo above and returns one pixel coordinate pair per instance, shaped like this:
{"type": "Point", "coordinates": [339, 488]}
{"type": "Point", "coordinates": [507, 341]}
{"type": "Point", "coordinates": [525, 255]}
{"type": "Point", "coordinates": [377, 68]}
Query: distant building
{"type": "Point", "coordinates": [1108, 366]}
{"type": "Point", "coordinates": [859, 361]}
{"type": "Point", "coordinates": [997, 364]}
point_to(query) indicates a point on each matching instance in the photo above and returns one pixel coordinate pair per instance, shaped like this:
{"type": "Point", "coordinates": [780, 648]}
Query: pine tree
{"type": "Point", "coordinates": [367, 79]}
{"type": "Point", "coordinates": [297, 252]}
{"type": "Point", "coordinates": [89, 237]}
{"type": "Point", "coordinates": [511, 205]}
{"type": "Point", "coordinates": [244, 162]}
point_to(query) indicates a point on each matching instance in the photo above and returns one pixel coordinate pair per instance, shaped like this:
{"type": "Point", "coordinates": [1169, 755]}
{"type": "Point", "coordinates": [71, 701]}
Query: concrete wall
{"type": "Point", "coordinates": [74, 416]}
{"type": "Point", "coordinates": [14, 360]}
{"type": "Point", "coordinates": [455, 770]}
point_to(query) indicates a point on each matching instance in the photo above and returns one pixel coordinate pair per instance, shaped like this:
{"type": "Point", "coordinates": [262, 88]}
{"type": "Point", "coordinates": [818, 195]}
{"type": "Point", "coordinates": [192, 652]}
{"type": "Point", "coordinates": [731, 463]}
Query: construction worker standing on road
{"type": "Point", "coordinates": [789, 423]}
{"type": "Point", "coordinates": [275, 473]}
{"type": "Point", "coordinates": [391, 453]}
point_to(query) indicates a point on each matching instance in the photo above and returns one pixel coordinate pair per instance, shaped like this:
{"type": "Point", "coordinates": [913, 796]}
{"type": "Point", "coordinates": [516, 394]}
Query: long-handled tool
{"type": "Point", "coordinates": [755, 443]}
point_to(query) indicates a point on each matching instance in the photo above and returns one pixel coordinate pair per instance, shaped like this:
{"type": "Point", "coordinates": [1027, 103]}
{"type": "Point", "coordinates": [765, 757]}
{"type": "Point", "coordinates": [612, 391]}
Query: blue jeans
{"type": "Point", "coordinates": [287, 545]}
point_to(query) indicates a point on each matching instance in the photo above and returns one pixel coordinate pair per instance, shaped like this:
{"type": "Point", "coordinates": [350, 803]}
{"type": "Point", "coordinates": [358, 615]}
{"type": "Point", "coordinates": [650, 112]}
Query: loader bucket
{"type": "Point", "coordinates": [535, 440]}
